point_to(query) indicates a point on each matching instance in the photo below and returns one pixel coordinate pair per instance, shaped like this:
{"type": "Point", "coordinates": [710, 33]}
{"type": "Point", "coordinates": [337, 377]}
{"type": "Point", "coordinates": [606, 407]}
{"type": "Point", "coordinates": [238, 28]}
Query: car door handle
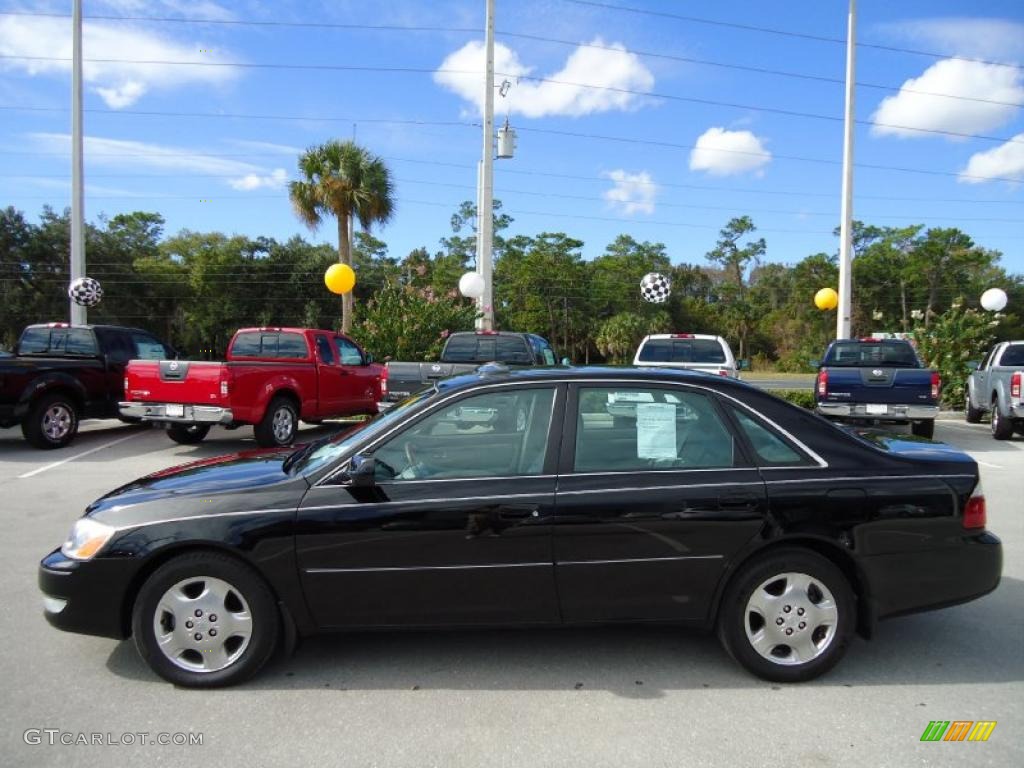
{"type": "Point", "coordinates": [518, 512]}
{"type": "Point", "coordinates": [740, 503]}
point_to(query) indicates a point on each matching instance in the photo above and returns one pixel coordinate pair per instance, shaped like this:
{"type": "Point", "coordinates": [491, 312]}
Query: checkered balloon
{"type": "Point", "coordinates": [85, 291]}
{"type": "Point", "coordinates": [655, 287]}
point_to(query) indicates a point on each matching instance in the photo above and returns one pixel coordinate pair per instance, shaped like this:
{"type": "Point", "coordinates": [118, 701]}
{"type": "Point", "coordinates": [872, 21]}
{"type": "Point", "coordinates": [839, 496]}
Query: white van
{"type": "Point", "coordinates": [695, 351]}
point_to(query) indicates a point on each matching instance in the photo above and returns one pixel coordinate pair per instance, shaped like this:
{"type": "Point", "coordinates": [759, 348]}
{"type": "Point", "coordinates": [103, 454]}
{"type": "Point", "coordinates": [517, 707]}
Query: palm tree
{"type": "Point", "coordinates": [343, 180]}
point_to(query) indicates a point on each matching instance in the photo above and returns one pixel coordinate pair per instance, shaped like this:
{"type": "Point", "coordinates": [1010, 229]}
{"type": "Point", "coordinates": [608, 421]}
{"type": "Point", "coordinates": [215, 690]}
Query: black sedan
{"type": "Point", "coordinates": [536, 497]}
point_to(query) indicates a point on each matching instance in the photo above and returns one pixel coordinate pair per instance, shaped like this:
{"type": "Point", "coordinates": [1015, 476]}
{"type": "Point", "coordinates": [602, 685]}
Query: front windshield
{"type": "Point", "coordinates": [345, 441]}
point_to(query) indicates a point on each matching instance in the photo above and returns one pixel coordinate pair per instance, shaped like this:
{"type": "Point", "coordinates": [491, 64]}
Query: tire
{"type": "Point", "coordinates": [751, 594]}
{"type": "Point", "coordinates": [129, 419]}
{"type": "Point", "coordinates": [923, 428]}
{"type": "Point", "coordinates": [278, 425]}
{"type": "Point", "coordinates": [972, 414]}
{"type": "Point", "coordinates": [1002, 427]}
{"type": "Point", "coordinates": [220, 589]}
{"type": "Point", "coordinates": [188, 434]}
{"type": "Point", "coordinates": [51, 422]}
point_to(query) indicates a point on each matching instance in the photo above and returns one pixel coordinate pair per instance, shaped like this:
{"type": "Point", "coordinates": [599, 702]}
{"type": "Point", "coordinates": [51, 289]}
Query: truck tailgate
{"type": "Point", "coordinates": [176, 381]}
{"type": "Point", "coordinates": [879, 385]}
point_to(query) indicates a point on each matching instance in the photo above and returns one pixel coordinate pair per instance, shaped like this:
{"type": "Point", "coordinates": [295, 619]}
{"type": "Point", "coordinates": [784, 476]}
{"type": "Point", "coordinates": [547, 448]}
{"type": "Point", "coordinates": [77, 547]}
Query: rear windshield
{"type": "Point", "coordinates": [682, 351]}
{"type": "Point", "coordinates": [57, 341]}
{"type": "Point", "coordinates": [470, 348]}
{"type": "Point", "coordinates": [270, 345]}
{"type": "Point", "coordinates": [1013, 355]}
{"type": "Point", "coordinates": [858, 353]}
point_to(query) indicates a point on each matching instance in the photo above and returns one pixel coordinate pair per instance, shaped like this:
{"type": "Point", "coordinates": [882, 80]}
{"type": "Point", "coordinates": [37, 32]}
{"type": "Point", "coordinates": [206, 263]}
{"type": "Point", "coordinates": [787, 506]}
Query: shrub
{"type": "Point", "coordinates": [803, 397]}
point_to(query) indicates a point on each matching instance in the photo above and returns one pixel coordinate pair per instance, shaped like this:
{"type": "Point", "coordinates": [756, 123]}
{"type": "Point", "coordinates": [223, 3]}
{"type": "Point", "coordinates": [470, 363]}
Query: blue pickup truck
{"type": "Point", "coordinates": [874, 381]}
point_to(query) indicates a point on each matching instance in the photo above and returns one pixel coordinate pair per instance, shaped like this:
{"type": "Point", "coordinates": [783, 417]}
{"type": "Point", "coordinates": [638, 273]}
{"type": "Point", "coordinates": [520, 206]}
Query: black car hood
{"type": "Point", "coordinates": [217, 476]}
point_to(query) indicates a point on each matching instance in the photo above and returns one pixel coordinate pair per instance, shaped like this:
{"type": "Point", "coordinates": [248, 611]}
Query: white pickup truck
{"type": "Point", "coordinates": [996, 386]}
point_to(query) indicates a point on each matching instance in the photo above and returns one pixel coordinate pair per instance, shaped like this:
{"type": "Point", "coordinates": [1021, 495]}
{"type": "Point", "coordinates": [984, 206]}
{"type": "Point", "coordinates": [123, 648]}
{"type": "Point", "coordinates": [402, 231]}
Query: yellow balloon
{"type": "Point", "coordinates": [339, 278]}
{"type": "Point", "coordinates": [826, 298]}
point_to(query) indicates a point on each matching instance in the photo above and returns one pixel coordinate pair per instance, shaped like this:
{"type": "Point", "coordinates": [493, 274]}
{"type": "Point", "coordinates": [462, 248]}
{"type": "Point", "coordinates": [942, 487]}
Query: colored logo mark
{"type": "Point", "coordinates": [958, 730]}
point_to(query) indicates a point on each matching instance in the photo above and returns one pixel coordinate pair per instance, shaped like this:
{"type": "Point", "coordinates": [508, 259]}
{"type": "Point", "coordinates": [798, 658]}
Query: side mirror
{"type": "Point", "coordinates": [973, 365]}
{"type": "Point", "coordinates": [742, 365]}
{"type": "Point", "coordinates": [566, 361]}
{"type": "Point", "coordinates": [361, 471]}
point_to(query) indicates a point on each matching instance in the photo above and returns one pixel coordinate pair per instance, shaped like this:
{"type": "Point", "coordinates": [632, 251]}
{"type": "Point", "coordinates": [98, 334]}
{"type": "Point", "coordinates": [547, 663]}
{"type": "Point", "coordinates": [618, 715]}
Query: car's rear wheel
{"type": "Point", "coordinates": [788, 616]}
{"type": "Point", "coordinates": [204, 620]}
{"type": "Point", "coordinates": [188, 434]}
{"type": "Point", "coordinates": [923, 428]}
{"type": "Point", "coordinates": [972, 414]}
{"type": "Point", "coordinates": [51, 422]}
{"type": "Point", "coordinates": [278, 425]}
{"type": "Point", "coordinates": [1002, 427]}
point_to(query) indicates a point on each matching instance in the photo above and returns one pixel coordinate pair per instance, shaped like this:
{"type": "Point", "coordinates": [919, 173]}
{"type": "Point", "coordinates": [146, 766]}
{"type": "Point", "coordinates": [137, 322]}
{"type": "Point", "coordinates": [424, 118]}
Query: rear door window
{"type": "Point", "coordinates": [291, 346]}
{"type": "Point", "coordinates": [323, 346]}
{"type": "Point", "coordinates": [80, 342]}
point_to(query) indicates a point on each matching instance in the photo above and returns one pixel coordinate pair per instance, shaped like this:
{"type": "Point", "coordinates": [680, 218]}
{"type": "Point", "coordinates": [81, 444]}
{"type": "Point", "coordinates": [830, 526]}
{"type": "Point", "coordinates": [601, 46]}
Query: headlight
{"type": "Point", "coordinates": [87, 537]}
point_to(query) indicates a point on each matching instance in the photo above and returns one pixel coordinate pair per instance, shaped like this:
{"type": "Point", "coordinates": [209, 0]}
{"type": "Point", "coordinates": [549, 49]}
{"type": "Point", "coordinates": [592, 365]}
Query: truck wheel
{"type": "Point", "coordinates": [204, 620]}
{"type": "Point", "coordinates": [972, 414]}
{"type": "Point", "coordinates": [278, 425]}
{"type": "Point", "coordinates": [51, 422]}
{"type": "Point", "coordinates": [923, 428]}
{"type": "Point", "coordinates": [1002, 427]}
{"type": "Point", "coordinates": [188, 434]}
{"type": "Point", "coordinates": [788, 616]}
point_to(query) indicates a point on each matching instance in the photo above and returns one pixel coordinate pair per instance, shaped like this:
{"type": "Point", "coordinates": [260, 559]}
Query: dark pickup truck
{"type": "Point", "coordinates": [61, 374]}
{"type": "Point", "coordinates": [878, 381]}
{"type": "Point", "coordinates": [464, 352]}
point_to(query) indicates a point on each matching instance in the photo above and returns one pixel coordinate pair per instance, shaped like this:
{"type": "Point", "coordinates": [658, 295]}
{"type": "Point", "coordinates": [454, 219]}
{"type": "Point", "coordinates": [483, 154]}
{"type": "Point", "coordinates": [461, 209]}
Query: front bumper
{"type": "Point", "coordinates": [882, 411]}
{"type": "Point", "coordinates": [168, 413]}
{"type": "Point", "coordinates": [909, 582]}
{"type": "Point", "coordinates": [87, 596]}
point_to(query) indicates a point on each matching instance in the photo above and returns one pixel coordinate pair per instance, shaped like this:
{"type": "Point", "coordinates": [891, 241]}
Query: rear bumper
{"type": "Point", "coordinates": [86, 596]}
{"type": "Point", "coordinates": [895, 412]}
{"type": "Point", "coordinates": [190, 414]}
{"type": "Point", "coordinates": [909, 582]}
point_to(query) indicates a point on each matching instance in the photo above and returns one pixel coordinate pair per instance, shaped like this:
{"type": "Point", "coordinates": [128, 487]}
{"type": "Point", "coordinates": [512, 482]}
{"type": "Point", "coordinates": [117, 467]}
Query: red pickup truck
{"type": "Point", "coordinates": [272, 378]}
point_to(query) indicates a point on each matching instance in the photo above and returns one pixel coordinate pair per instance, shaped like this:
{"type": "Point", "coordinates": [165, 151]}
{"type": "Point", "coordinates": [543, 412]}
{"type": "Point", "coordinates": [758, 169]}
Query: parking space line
{"type": "Point", "coordinates": [77, 456]}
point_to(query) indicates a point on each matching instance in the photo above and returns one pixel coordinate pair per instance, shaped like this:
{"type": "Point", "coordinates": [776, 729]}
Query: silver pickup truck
{"type": "Point", "coordinates": [996, 386]}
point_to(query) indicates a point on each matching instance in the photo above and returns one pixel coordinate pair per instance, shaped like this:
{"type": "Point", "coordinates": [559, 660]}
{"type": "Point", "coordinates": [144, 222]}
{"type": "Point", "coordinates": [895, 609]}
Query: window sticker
{"type": "Point", "coordinates": [656, 430]}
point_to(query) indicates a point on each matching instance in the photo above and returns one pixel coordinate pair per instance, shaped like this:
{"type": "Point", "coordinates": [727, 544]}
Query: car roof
{"type": "Point", "coordinates": [495, 373]}
{"type": "Point", "coordinates": [90, 327]}
{"type": "Point", "coordinates": [683, 335]}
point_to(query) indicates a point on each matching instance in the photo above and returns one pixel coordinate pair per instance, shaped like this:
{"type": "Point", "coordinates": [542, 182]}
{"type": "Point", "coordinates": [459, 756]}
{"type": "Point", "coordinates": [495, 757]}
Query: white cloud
{"type": "Point", "coordinates": [609, 67]}
{"type": "Point", "coordinates": [274, 180]}
{"type": "Point", "coordinates": [956, 77]}
{"type": "Point", "coordinates": [1003, 162]}
{"type": "Point", "coordinates": [981, 38]}
{"type": "Point", "coordinates": [138, 154]}
{"type": "Point", "coordinates": [269, 147]}
{"type": "Point", "coordinates": [631, 192]}
{"type": "Point", "coordinates": [118, 84]}
{"type": "Point", "coordinates": [721, 152]}
{"type": "Point", "coordinates": [193, 9]}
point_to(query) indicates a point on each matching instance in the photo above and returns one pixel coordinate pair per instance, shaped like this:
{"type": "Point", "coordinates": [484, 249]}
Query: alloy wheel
{"type": "Point", "coordinates": [57, 421]}
{"type": "Point", "coordinates": [791, 619]}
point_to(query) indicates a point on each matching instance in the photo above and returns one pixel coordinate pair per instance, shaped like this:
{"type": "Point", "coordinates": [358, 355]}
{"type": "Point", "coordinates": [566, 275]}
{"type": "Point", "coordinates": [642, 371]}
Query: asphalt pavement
{"type": "Point", "coordinates": [598, 697]}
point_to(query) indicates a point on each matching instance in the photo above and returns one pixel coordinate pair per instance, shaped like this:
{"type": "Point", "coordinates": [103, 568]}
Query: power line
{"type": "Point", "coordinates": [759, 70]}
{"type": "Point", "coordinates": [530, 78]}
{"type": "Point", "coordinates": [536, 38]}
{"type": "Point", "coordinates": [783, 32]}
{"type": "Point", "coordinates": [573, 134]}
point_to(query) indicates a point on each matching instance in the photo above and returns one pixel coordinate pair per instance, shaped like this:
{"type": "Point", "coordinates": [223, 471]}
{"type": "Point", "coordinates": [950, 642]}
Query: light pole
{"type": "Point", "coordinates": [845, 233]}
{"type": "Point", "coordinates": [78, 312]}
{"type": "Point", "coordinates": [484, 212]}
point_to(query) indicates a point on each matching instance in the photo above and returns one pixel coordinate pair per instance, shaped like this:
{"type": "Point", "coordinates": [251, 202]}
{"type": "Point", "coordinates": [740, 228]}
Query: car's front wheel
{"type": "Point", "coordinates": [204, 620]}
{"type": "Point", "coordinates": [788, 616]}
{"type": "Point", "coordinates": [1002, 427]}
{"type": "Point", "coordinates": [971, 414]}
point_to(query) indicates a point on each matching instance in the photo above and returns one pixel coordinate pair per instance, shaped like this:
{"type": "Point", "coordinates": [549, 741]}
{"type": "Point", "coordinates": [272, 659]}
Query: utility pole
{"type": "Point", "coordinates": [484, 212]}
{"type": "Point", "coordinates": [845, 226]}
{"type": "Point", "coordinates": [78, 312]}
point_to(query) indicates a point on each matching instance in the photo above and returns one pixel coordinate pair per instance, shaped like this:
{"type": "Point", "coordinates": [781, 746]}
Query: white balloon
{"type": "Point", "coordinates": [994, 300]}
{"type": "Point", "coordinates": [471, 285]}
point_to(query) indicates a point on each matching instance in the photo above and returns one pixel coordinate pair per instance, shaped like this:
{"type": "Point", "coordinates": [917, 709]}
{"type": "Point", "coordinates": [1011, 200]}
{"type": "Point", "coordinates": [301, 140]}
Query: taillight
{"type": "Point", "coordinates": [126, 385]}
{"type": "Point", "coordinates": [974, 512]}
{"type": "Point", "coordinates": [1015, 384]}
{"type": "Point", "coordinates": [822, 383]}
{"type": "Point", "coordinates": [936, 383]}
{"type": "Point", "coordinates": [723, 372]}
{"type": "Point", "coordinates": [384, 382]}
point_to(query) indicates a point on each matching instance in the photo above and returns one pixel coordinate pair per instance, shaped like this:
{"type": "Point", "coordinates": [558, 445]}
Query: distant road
{"type": "Point", "coordinates": [779, 381]}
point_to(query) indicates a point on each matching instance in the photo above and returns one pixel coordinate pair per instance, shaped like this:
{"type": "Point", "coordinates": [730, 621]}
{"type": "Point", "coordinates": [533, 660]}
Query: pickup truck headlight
{"type": "Point", "coordinates": [87, 537]}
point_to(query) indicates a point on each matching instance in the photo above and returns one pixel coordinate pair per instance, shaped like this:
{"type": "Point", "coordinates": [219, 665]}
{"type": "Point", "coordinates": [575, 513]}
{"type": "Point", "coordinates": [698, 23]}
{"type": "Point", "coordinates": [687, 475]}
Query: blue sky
{"type": "Point", "coordinates": [724, 144]}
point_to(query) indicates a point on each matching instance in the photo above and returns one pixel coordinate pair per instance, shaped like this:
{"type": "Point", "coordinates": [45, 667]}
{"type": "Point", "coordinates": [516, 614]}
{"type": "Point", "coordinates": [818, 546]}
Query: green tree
{"type": "Point", "coordinates": [733, 258]}
{"type": "Point", "coordinates": [950, 341]}
{"type": "Point", "coordinates": [620, 335]}
{"type": "Point", "coordinates": [344, 180]}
